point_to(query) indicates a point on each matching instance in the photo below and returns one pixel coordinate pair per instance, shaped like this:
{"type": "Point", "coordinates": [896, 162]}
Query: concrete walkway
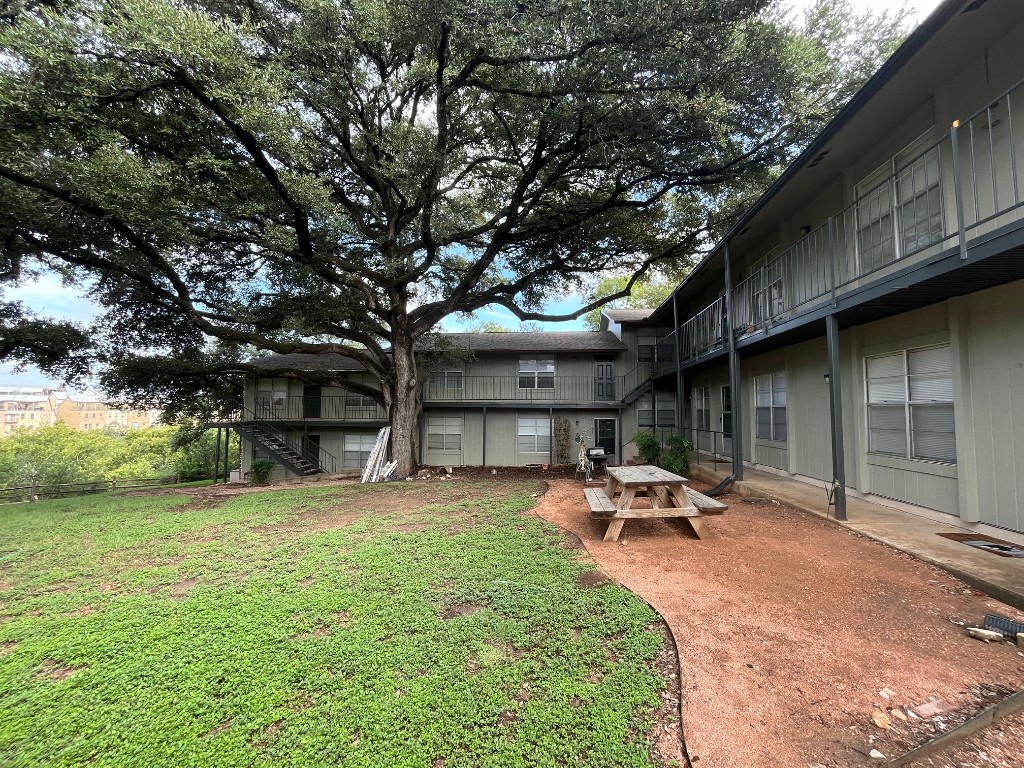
{"type": "Point", "coordinates": [999, 577]}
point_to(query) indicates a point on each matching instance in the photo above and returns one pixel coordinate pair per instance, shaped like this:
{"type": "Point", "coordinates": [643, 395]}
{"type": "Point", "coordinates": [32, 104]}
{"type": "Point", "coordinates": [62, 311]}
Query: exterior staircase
{"type": "Point", "coordinates": [287, 445]}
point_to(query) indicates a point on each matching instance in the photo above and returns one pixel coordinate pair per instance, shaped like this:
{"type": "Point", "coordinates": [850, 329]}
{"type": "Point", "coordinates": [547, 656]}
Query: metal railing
{"type": "Point", "coordinates": [964, 185]}
{"type": "Point", "coordinates": [539, 388]}
{"type": "Point", "coordinates": [637, 377]}
{"type": "Point", "coordinates": [710, 447]}
{"type": "Point", "coordinates": [704, 332]}
{"type": "Point", "coordinates": [308, 408]}
{"type": "Point", "coordinates": [267, 418]}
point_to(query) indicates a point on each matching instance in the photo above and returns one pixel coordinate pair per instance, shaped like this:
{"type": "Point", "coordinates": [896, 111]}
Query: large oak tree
{"type": "Point", "coordinates": [340, 175]}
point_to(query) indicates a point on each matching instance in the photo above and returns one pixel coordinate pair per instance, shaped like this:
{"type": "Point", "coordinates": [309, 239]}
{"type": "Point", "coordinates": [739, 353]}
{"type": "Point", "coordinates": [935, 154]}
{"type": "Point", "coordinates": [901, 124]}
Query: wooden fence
{"type": "Point", "coordinates": [23, 493]}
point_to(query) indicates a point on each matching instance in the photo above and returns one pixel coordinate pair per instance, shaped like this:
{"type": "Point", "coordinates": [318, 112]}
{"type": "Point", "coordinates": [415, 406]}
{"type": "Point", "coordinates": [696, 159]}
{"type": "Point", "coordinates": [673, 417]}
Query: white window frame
{"type": "Point", "coordinates": [702, 408]}
{"type": "Point", "coordinates": [892, 189]}
{"type": "Point", "coordinates": [277, 389]}
{"type": "Point", "coordinates": [452, 378]}
{"type": "Point", "coordinates": [355, 442]}
{"type": "Point", "coordinates": [775, 394]}
{"type": "Point", "coordinates": [909, 403]}
{"type": "Point", "coordinates": [536, 372]}
{"type": "Point", "coordinates": [447, 430]}
{"type": "Point", "coordinates": [536, 427]}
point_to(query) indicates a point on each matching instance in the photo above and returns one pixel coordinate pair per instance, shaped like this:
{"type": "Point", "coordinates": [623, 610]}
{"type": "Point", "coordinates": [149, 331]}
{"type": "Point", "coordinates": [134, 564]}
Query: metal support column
{"type": "Point", "coordinates": [835, 393]}
{"type": "Point", "coordinates": [551, 437]}
{"type": "Point", "coordinates": [227, 452]}
{"type": "Point", "coordinates": [216, 458]}
{"type": "Point", "coordinates": [958, 191]}
{"type": "Point", "coordinates": [679, 362]}
{"type": "Point", "coordinates": [734, 374]}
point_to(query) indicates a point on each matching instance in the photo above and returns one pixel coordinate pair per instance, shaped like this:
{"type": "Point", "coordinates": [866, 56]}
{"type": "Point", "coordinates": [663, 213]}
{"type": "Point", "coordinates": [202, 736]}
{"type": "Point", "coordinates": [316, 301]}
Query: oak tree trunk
{"type": "Point", "coordinates": [404, 408]}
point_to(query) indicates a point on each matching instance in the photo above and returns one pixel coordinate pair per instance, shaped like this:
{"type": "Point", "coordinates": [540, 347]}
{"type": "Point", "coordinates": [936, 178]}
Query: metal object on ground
{"type": "Point", "coordinates": [1009, 628]}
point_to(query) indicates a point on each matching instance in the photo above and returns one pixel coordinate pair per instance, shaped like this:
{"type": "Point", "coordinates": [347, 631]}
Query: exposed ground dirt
{"type": "Point", "coordinates": [790, 627]}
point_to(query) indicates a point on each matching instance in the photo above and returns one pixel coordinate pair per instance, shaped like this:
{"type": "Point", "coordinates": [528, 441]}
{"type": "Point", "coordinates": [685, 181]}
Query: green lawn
{"type": "Point", "coordinates": [426, 624]}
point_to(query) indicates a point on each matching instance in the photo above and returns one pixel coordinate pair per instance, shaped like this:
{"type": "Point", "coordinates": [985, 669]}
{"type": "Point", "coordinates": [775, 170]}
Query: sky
{"type": "Point", "coordinates": [49, 297]}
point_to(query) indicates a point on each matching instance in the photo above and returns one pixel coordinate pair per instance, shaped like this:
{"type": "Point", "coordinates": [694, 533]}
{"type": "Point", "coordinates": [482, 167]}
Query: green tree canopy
{"type": "Point", "coordinates": [340, 175]}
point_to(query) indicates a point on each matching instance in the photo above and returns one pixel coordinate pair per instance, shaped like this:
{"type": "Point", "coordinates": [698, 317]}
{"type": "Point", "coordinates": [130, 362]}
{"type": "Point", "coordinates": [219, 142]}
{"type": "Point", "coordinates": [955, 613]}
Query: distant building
{"type": "Point", "coordinates": [86, 411]}
{"type": "Point", "coordinates": [26, 407]}
{"type": "Point", "coordinates": [34, 407]}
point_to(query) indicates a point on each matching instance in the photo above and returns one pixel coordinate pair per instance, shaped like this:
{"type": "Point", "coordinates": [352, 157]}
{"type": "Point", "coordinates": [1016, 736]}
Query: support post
{"type": "Point", "coordinates": [734, 373]}
{"type": "Point", "coordinates": [216, 458]}
{"type": "Point", "coordinates": [483, 450]}
{"type": "Point", "coordinates": [551, 437]}
{"type": "Point", "coordinates": [835, 393]}
{"type": "Point", "coordinates": [958, 192]}
{"type": "Point", "coordinates": [227, 452]}
{"type": "Point", "coordinates": [679, 362]}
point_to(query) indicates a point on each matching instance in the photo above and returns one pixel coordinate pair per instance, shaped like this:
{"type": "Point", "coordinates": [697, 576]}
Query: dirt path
{"type": "Point", "coordinates": [790, 626]}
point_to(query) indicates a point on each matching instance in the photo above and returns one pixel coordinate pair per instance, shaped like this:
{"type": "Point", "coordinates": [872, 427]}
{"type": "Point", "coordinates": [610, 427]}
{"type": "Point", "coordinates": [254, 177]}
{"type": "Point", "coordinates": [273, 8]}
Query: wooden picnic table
{"type": "Point", "coordinates": [667, 492]}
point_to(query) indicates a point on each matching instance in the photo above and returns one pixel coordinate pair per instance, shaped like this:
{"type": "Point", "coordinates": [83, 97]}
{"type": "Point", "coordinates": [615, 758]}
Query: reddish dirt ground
{"type": "Point", "coordinates": [790, 626]}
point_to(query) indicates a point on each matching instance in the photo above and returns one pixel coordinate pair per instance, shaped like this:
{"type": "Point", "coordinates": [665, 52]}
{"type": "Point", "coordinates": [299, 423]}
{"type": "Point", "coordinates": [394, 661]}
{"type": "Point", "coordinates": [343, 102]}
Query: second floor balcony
{"type": "Point", "coordinates": [959, 190]}
{"type": "Point", "coordinates": [525, 388]}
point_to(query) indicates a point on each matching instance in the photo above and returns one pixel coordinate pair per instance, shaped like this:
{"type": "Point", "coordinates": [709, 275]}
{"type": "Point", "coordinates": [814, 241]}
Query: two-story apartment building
{"type": "Point", "coordinates": [862, 324]}
{"type": "Point", "coordinates": [869, 308]}
{"type": "Point", "coordinates": [514, 399]}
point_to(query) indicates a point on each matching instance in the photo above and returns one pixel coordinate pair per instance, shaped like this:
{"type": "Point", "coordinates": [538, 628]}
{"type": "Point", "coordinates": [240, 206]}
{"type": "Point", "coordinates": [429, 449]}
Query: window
{"type": "Point", "coordinates": [701, 408]}
{"type": "Point", "coordinates": [356, 400]}
{"type": "Point", "coordinates": [446, 380]}
{"type": "Point", "coordinates": [357, 449]}
{"type": "Point", "coordinates": [770, 406]}
{"type": "Point", "coordinates": [645, 346]}
{"type": "Point", "coordinates": [899, 206]}
{"type": "Point", "coordinates": [534, 435]}
{"type": "Point", "coordinates": [727, 411]}
{"type": "Point", "coordinates": [536, 373]}
{"type": "Point", "coordinates": [666, 410]}
{"type": "Point", "coordinates": [910, 404]}
{"type": "Point", "coordinates": [271, 393]}
{"type": "Point", "coordinates": [444, 433]}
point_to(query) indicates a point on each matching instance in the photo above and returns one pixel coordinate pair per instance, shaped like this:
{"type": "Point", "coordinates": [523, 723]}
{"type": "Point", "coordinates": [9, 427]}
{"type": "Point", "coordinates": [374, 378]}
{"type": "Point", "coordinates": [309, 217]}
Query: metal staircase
{"type": "Point", "coordinates": [286, 444]}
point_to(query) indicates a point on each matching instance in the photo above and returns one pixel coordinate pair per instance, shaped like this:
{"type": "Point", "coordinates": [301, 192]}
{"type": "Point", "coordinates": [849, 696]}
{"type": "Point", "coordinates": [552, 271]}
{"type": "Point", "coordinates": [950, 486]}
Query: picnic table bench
{"type": "Point", "coordinates": [668, 495]}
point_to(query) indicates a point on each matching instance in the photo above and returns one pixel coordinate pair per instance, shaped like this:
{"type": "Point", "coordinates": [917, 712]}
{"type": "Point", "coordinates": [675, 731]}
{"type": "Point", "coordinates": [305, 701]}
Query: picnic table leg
{"type": "Point", "coordinates": [614, 529]}
{"type": "Point", "coordinates": [697, 524]}
{"type": "Point", "coordinates": [609, 487]}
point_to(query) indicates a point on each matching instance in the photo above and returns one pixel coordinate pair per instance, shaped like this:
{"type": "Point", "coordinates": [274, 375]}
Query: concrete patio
{"type": "Point", "coordinates": [914, 532]}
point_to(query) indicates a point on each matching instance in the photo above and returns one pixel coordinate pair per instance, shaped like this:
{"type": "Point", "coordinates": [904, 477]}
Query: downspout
{"type": "Point", "coordinates": [483, 454]}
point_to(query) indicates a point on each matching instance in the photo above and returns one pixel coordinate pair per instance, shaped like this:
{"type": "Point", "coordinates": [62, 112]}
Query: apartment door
{"type": "Point", "coordinates": [727, 420]}
{"type": "Point", "coordinates": [605, 436]}
{"type": "Point", "coordinates": [311, 401]}
{"type": "Point", "coordinates": [604, 378]}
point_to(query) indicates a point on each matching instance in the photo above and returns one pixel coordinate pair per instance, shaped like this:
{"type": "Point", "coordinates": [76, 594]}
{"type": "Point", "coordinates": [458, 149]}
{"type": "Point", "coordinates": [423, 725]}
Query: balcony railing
{"type": "Point", "coordinates": [328, 407]}
{"type": "Point", "coordinates": [537, 388]}
{"type": "Point", "coordinates": [704, 332]}
{"type": "Point", "coordinates": [966, 184]}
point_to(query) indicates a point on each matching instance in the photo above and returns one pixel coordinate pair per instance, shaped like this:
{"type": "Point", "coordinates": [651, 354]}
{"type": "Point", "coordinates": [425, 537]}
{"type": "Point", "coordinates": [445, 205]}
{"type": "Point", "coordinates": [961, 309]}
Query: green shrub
{"type": "Point", "coordinates": [649, 447]}
{"type": "Point", "coordinates": [676, 457]}
{"type": "Point", "coordinates": [260, 471]}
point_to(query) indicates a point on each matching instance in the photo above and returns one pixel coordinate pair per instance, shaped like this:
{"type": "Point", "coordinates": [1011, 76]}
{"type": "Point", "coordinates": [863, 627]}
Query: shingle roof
{"type": "Point", "coordinates": [328, 361]}
{"type": "Point", "coordinates": [628, 315]}
{"type": "Point", "coordinates": [540, 341]}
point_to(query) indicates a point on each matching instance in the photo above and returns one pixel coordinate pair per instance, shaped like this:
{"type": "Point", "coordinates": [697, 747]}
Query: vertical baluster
{"type": "Point", "coordinates": [1013, 149]}
{"type": "Point", "coordinates": [992, 161]}
{"type": "Point", "coordinates": [974, 175]}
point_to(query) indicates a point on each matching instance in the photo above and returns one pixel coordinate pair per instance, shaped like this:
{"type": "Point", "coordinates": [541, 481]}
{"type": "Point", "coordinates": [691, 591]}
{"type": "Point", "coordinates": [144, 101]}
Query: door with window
{"type": "Point", "coordinates": [605, 436]}
{"type": "Point", "coordinates": [604, 378]}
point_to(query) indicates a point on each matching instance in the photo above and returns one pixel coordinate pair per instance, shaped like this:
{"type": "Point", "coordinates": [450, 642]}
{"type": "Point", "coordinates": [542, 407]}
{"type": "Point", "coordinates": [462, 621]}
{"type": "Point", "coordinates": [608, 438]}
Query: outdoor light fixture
{"type": "Point", "coordinates": [827, 380]}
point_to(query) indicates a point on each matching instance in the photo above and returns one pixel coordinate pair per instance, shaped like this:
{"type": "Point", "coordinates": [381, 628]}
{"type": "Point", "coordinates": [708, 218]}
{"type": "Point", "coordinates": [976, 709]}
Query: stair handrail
{"type": "Point", "coordinates": [264, 418]}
